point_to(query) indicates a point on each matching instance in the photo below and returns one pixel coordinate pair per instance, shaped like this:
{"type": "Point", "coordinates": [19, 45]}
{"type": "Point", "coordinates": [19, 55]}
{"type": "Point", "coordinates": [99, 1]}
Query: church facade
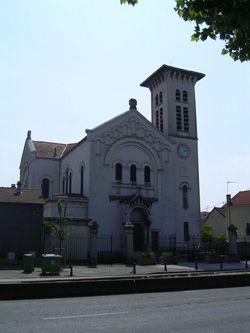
{"type": "Point", "coordinates": [129, 170]}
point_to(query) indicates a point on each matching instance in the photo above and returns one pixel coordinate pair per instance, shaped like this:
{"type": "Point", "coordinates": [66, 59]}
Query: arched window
{"type": "Point", "coordinates": [184, 96]}
{"type": "Point", "coordinates": [118, 172]}
{"type": "Point", "coordinates": [147, 175]}
{"type": "Point", "coordinates": [185, 196]}
{"type": "Point", "coordinates": [70, 182]}
{"type": "Point", "coordinates": [177, 95]}
{"type": "Point", "coordinates": [67, 180]}
{"type": "Point", "coordinates": [156, 100]}
{"type": "Point", "coordinates": [45, 188]}
{"type": "Point", "coordinates": [81, 180]}
{"type": "Point", "coordinates": [160, 97]}
{"type": "Point", "coordinates": [133, 173]}
{"type": "Point", "coordinates": [63, 185]}
{"type": "Point", "coordinates": [186, 231]}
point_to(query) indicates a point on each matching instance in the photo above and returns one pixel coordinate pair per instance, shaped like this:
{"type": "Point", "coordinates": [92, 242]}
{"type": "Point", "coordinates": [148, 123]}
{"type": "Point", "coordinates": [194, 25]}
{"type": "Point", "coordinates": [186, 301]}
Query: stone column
{"type": "Point", "coordinates": [93, 230]}
{"type": "Point", "coordinates": [232, 236]}
{"type": "Point", "coordinates": [129, 232]}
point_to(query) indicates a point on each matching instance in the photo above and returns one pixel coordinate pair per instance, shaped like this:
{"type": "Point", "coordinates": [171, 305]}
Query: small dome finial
{"type": "Point", "coordinates": [29, 134]}
{"type": "Point", "coordinates": [132, 104]}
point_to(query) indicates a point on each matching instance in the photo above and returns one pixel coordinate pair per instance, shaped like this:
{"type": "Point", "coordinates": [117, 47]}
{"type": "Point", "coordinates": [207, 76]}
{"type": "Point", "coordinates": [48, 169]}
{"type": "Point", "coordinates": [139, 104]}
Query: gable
{"type": "Point", "coordinates": [129, 125]}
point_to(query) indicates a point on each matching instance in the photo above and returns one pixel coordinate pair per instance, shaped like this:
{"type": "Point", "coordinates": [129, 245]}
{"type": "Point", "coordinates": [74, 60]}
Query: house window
{"type": "Point", "coordinates": [70, 182]}
{"type": "Point", "coordinates": [248, 229]}
{"type": "Point", "coordinates": [81, 180]}
{"type": "Point", "coordinates": [184, 96]}
{"type": "Point", "coordinates": [160, 97]}
{"type": "Point", "coordinates": [178, 118]}
{"type": "Point", "coordinates": [161, 119]}
{"type": "Point", "coordinates": [63, 185]}
{"type": "Point", "coordinates": [186, 231]}
{"type": "Point", "coordinates": [185, 196]}
{"type": "Point", "coordinates": [156, 100]}
{"type": "Point", "coordinates": [118, 172]}
{"type": "Point", "coordinates": [45, 188]}
{"type": "Point", "coordinates": [147, 174]}
{"type": "Point", "coordinates": [177, 95]}
{"type": "Point", "coordinates": [185, 120]}
{"type": "Point", "coordinates": [157, 118]}
{"type": "Point", "coordinates": [133, 173]}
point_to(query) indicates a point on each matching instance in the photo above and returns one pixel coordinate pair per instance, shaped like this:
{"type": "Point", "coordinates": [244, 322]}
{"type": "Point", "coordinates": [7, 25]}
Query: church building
{"type": "Point", "coordinates": [129, 170]}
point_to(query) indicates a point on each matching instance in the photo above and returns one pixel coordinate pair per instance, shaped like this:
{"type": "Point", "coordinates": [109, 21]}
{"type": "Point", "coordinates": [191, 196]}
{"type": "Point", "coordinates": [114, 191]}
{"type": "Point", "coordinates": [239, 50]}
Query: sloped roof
{"type": "Point", "coordinates": [241, 198]}
{"type": "Point", "coordinates": [220, 210]}
{"type": "Point", "coordinates": [10, 195]}
{"type": "Point", "coordinates": [52, 150]}
{"type": "Point", "coordinates": [171, 69]}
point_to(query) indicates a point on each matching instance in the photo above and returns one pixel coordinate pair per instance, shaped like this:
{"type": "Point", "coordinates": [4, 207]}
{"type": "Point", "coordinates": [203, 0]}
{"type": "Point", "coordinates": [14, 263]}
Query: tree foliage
{"type": "Point", "coordinates": [228, 20]}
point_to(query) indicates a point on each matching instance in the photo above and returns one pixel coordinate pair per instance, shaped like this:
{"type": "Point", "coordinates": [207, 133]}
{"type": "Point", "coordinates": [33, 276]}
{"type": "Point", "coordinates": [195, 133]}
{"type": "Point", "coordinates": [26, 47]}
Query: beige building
{"type": "Point", "coordinates": [237, 212]}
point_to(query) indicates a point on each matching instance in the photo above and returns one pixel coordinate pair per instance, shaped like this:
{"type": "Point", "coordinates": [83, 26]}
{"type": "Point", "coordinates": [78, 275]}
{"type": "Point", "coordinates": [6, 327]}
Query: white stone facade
{"type": "Point", "coordinates": [131, 170]}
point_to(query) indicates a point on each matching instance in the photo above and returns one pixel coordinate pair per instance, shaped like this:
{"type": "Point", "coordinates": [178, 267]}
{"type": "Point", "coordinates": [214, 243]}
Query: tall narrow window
{"type": "Point", "coordinates": [70, 182]}
{"type": "Point", "coordinates": [133, 173]}
{"type": "Point", "coordinates": [177, 95]}
{"type": "Point", "coordinates": [161, 119]}
{"type": "Point", "coordinates": [45, 188]}
{"type": "Point", "coordinates": [186, 231]}
{"type": "Point", "coordinates": [160, 97]}
{"type": "Point", "coordinates": [184, 96]}
{"type": "Point", "coordinates": [118, 172]}
{"type": "Point", "coordinates": [63, 185]}
{"type": "Point", "coordinates": [248, 229]}
{"type": "Point", "coordinates": [185, 196]}
{"type": "Point", "coordinates": [157, 119]}
{"type": "Point", "coordinates": [185, 120]}
{"type": "Point", "coordinates": [81, 180]}
{"type": "Point", "coordinates": [178, 118]}
{"type": "Point", "coordinates": [156, 100]}
{"type": "Point", "coordinates": [147, 175]}
{"type": "Point", "coordinates": [67, 180]}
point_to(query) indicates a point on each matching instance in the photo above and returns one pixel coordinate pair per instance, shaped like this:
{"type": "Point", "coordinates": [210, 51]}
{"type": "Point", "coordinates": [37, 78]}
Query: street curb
{"type": "Point", "coordinates": [118, 285]}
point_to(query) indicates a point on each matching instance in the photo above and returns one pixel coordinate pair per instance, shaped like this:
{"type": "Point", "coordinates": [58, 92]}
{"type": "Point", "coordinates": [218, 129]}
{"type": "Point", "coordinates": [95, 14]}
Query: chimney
{"type": "Point", "coordinates": [229, 202]}
{"type": "Point", "coordinates": [13, 185]}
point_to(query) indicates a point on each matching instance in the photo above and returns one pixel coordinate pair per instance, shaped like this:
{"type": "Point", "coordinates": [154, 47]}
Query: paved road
{"type": "Point", "coordinates": [215, 310]}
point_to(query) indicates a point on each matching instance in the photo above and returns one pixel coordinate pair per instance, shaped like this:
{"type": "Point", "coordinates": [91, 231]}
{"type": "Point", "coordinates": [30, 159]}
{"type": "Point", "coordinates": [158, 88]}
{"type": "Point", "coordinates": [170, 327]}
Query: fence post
{"type": "Point", "coordinates": [93, 229]}
{"type": "Point", "coordinates": [194, 256]}
{"type": "Point", "coordinates": [129, 232]}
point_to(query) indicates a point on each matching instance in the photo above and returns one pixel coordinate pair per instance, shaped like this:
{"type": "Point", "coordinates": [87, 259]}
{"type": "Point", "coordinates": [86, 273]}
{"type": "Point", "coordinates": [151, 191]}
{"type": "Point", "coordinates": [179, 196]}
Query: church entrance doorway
{"type": "Point", "coordinates": [139, 218]}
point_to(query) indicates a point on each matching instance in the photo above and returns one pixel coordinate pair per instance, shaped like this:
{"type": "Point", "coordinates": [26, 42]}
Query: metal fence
{"type": "Point", "coordinates": [112, 248]}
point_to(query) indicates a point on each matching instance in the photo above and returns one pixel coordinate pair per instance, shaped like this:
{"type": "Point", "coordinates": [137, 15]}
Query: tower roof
{"type": "Point", "coordinates": [164, 70]}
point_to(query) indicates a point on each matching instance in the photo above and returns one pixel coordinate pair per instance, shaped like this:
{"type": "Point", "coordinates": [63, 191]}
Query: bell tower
{"type": "Point", "coordinates": [173, 109]}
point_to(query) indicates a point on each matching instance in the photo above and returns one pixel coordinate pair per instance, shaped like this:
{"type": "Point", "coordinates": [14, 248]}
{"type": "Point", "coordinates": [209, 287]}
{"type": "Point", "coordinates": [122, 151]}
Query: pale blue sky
{"type": "Point", "coordinates": [70, 65]}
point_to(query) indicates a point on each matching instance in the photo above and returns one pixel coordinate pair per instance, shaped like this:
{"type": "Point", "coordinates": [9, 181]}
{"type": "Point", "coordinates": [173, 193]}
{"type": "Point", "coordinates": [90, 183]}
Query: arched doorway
{"type": "Point", "coordinates": [139, 218]}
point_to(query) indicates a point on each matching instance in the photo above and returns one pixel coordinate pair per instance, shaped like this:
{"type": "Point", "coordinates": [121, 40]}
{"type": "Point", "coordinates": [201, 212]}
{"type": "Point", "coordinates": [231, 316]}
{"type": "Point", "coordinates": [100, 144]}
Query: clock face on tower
{"type": "Point", "coordinates": [183, 151]}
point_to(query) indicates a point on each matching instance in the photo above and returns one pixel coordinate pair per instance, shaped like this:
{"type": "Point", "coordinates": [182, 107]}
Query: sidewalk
{"type": "Point", "coordinates": [116, 270]}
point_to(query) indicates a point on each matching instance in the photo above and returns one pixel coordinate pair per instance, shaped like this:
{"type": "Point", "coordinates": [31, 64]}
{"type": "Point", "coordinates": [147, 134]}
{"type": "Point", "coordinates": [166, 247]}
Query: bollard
{"type": "Point", "coordinates": [196, 265]}
{"type": "Point", "coordinates": [134, 267]}
{"type": "Point", "coordinates": [71, 270]}
{"type": "Point", "coordinates": [165, 267]}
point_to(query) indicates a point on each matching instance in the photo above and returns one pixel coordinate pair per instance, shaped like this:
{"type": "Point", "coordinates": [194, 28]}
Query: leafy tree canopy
{"type": "Point", "coordinates": [228, 20]}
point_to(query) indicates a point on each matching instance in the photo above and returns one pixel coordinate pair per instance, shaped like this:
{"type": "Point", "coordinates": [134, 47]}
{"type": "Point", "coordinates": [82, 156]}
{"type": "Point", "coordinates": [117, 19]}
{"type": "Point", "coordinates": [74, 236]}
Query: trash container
{"type": "Point", "coordinates": [28, 263]}
{"type": "Point", "coordinates": [51, 263]}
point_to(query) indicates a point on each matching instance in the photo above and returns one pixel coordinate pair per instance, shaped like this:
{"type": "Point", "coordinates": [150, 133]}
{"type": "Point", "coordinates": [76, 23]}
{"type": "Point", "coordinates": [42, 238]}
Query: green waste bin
{"type": "Point", "coordinates": [28, 263]}
{"type": "Point", "coordinates": [51, 263]}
